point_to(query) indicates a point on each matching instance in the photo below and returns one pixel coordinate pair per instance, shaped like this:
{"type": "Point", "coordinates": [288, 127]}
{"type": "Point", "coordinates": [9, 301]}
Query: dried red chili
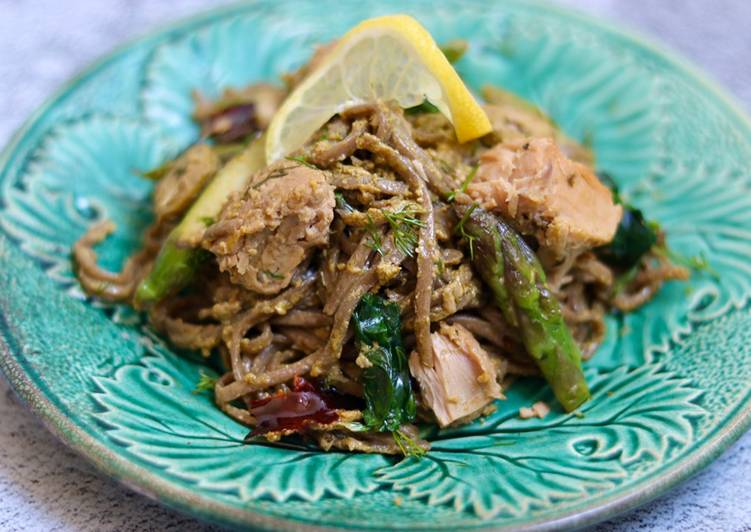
{"type": "Point", "coordinates": [292, 410]}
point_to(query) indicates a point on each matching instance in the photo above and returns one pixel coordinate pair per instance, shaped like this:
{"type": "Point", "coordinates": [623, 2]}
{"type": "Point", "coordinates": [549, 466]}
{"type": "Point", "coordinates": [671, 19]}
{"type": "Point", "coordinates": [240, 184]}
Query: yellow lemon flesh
{"type": "Point", "coordinates": [384, 58]}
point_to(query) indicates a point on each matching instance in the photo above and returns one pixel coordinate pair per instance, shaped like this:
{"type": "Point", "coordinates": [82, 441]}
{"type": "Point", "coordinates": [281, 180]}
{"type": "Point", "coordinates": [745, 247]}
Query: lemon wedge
{"type": "Point", "coordinates": [384, 58]}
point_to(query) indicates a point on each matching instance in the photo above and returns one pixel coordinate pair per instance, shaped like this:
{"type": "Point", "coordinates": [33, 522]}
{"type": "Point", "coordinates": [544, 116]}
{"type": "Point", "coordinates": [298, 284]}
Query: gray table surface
{"type": "Point", "coordinates": [44, 486]}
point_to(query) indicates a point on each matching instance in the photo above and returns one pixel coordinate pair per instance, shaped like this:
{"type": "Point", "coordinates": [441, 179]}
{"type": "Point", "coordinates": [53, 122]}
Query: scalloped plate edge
{"type": "Point", "coordinates": [140, 480]}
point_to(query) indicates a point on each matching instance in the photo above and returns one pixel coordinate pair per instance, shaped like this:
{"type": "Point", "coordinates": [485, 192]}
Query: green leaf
{"type": "Point", "coordinates": [375, 242]}
{"type": "Point", "coordinates": [389, 400]}
{"type": "Point", "coordinates": [303, 161]}
{"type": "Point", "coordinates": [407, 445]}
{"type": "Point", "coordinates": [423, 108]}
{"type": "Point", "coordinates": [463, 188]}
{"type": "Point", "coordinates": [205, 384]}
{"type": "Point", "coordinates": [342, 203]}
{"type": "Point", "coordinates": [634, 237]}
{"type": "Point", "coordinates": [461, 231]}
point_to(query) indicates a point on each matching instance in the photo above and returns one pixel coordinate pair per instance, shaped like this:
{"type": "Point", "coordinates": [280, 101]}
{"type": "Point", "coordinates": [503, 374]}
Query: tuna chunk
{"type": "Point", "coordinates": [262, 236]}
{"type": "Point", "coordinates": [514, 118]}
{"type": "Point", "coordinates": [558, 201]}
{"type": "Point", "coordinates": [462, 381]}
{"type": "Point", "coordinates": [184, 180]}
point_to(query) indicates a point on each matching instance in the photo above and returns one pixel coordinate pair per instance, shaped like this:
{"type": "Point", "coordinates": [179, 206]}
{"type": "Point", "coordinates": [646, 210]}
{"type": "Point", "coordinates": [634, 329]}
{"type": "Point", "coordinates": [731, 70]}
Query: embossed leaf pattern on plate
{"type": "Point", "coordinates": [83, 170]}
{"type": "Point", "coordinates": [152, 410]}
{"type": "Point", "coordinates": [664, 380]}
{"type": "Point", "coordinates": [513, 464]}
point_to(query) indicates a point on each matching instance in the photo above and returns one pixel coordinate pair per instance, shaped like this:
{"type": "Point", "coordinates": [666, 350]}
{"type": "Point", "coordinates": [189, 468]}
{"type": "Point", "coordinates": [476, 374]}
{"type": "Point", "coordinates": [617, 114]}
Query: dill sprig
{"type": "Point", "coordinates": [303, 161]}
{"type": "Point", "coordinates": [459, 230]}
{"type": "Point", "coordinates": [463, 188]}
{"type": "Point", "coordinates": [206, 383]}
{"type": "Point", "coordinates": [407, 445]}
{"type": "Point", "coordinates": [446, 168]}
{"type": "Point", "coordinates": [698, 263]}
{"type": "Point", "coordinates": [376, 242]}
{"type": "Point", "coordinates": [273, 275]}
{"type": "Point", "coordinates": [276, 174]}
{"type": "Point", "coordinates": [404, 224]}
{"type": "Point", "coordinates": [342, 203]}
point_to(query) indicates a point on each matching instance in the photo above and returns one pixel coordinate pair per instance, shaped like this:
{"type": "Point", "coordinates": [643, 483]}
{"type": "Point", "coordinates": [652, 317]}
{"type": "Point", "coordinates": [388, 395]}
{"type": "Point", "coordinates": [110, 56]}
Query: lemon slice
{"type": "Point", "coordinates": [383, 58]}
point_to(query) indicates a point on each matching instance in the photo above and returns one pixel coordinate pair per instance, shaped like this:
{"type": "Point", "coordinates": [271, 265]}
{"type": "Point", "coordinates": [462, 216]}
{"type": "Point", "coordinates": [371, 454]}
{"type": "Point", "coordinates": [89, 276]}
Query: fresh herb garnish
{"type": "Point", "coordinates": [206, 383]}
{"type": "Point", "coordinates": [698, 263]}
{"type": "Point", "coordinates": [404, 225]}
{"type": "Point", "coordinates": [303, 161]}
{"type": "Point", "coordinates": [342, 203]}
{"type": "Point", "coordinates": [280, 172]}
{"type": "Point", "coordinates": [374, 234]}
{"type": "Point", "coordinates": [465, 184]}
{"type": "Point", "coordinates": [424, 108]}
{"type": "Point", "coordinates": [407, 445]}
{"type": "Point", "coordinates": [207, 220]}
{"type": "Point", "coordinates": [273, 275]}
{"type": "Point", "coordinates": [469, 238]}
{"type": "Point", "coordinates": [634, 236]}
{"type": "Point", "coordinates": [387, 389]}
{"type": "Point", "coordinates": [445, 167]}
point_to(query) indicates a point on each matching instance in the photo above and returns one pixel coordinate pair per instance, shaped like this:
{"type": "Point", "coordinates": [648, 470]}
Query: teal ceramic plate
{"type": "Point", "coordinates": [671, 382]}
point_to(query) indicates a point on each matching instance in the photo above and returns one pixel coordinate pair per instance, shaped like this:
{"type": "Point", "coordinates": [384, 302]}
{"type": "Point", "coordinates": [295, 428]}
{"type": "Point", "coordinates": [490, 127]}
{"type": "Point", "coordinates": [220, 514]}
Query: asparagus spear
{"type": "Point", "coordinates": [180, 257]}
{"type": "Point", "coordinates": [173, 269]}
{"type": "Point", "coordinates": [516, 278]}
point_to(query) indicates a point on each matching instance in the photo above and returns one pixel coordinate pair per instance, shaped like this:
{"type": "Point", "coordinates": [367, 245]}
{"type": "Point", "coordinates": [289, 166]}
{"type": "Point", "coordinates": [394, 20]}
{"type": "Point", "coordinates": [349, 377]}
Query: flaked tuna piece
{"type": "Point", "coordinates": [263, 235]}
{"type": "Point", "coordinates": [514, 118]}
{"type": "Point", "coordinates": [184, 180]}
{"type": "Point", "coordinates": [558, 201]}
{"type": "Point", "coordinates": [462, 381]}
{"type": "Point", "coordinates": [540, 410]}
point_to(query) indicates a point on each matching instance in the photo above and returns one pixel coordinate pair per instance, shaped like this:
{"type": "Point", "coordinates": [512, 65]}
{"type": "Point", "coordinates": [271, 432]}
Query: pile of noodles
{"type": "Point", "coordinates": [377, 158]}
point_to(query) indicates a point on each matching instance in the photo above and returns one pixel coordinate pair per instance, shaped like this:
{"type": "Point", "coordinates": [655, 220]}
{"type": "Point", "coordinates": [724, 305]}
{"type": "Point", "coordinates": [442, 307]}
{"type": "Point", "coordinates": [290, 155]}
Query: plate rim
{"type": "Point", "coordinates": [164, 491]}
